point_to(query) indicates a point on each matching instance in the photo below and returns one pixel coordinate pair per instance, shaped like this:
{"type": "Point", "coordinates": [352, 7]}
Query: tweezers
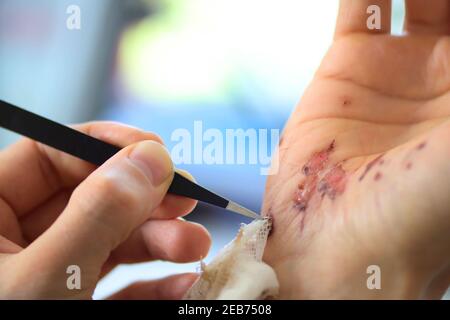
{"type": "Point", "coordinates": [97, 152]}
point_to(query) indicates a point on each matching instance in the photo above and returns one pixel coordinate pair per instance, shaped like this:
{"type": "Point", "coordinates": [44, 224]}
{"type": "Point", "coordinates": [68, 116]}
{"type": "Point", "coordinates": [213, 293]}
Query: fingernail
{"type": "Point", "coordinates": [154, 160]}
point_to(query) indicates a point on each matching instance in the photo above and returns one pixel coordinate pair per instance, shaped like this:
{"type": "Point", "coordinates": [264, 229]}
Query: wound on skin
{"type": "Point", "coordinates": [269, 215]}
{"type": "Point", "coordinates": [304, 193]}
{"type": "Point", "coordinates": [378, 176]}
{"type": "Point", "coordinates": [346, 101]}
{"type": "Point", "coordinates": [333, 183]}
{"type": "Point", "coordinates": [421, 146]}
{"type": "Point", "coordinates": [371, 164]}
{"type": "Point", "coordinates": [317, 162]}
{"type": "Point", "coordinates": [320, 178]}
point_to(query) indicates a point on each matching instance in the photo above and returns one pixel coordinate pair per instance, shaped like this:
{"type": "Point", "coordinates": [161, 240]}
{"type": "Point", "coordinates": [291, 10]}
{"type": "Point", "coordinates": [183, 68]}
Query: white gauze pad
{"type": "Point", "coordinates": [238, 271]}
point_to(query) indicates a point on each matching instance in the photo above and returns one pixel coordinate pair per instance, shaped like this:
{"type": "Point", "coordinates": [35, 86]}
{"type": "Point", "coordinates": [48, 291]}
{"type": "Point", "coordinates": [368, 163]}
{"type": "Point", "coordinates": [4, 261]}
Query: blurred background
{"type": "Point", "coordinates": [161, 65]}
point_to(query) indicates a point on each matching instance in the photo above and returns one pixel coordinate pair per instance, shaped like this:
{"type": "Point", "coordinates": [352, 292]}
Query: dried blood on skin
{"type": "Point", "coordinates": [320, 177]}
{"type": "Point", "coordinates": [304, 193]}
{"type": "Point", "coordinates": [370, 165]}
{"type": "Point", "coordinates": [378, 176]}
{"type": "Point", "coordinates": [421, 146]}
{"type": "Point", "coordinates": [333, 183]}
{"type": "Point", "coordinates": [317, 162]}
{"type": "Point", "coordinates": [408, 165]}
{"type": "Point", "coordinates": [346, 101]}
{"type": "Point", "coordinates": [269, 215]}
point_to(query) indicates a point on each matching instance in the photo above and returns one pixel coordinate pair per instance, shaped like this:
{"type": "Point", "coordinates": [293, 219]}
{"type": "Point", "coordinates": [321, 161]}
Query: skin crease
{"type": "Point", "coordinates": [376, 96]}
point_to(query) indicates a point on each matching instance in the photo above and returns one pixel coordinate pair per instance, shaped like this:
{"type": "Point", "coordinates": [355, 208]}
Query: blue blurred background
{"type": "Point", "coordinates": [161, 65]}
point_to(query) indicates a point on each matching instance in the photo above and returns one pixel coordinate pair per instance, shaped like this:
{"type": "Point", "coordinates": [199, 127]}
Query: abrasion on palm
{"type": "Point", "coordinates": [363, 173]}
{"type": "Point", "coordinates": [363, 163]}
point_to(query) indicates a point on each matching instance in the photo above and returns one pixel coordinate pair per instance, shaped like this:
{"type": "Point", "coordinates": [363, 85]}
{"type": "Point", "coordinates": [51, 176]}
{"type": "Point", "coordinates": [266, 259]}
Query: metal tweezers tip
{"type": "Point", "coordinates": [233, 206]}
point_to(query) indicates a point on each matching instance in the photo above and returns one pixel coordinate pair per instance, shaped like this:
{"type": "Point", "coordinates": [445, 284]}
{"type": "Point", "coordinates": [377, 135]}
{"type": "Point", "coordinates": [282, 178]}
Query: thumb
{"type": "Point", "coordinates": [102, 212]}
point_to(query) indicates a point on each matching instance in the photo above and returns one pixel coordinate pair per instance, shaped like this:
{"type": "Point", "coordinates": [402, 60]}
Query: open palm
{"type": "Point", "coordinates": [364, 163]}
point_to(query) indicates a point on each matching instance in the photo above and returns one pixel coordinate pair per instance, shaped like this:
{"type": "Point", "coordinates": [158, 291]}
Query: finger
{"type": "Point", "coordinates": [353, 16]}
{"type": "Point", "coordinates": [170, 240]}
{"type": "Point", "coordinates": [41, 218]}
{"type": "Point", "coordinates": [427, 17]}
{"type": "Point", "coordinates": [170, 288]}
{"type": "Point", "coordinates": [102, 213]}
{"type": "Point", "coordinates": [35, 223]}
{"type": "Point", "coordinates": [38, 171]}
{"type": "Point", "coordinates": [174, 206]}
{"type": "Point", "coordinates": [8, 247]}
{"type": "Point", "coordinates": [9, 226]}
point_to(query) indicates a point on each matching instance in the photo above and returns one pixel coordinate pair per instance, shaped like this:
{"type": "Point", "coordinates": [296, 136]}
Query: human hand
{"type": "Point", "coordinates": [364, 174]}
{"type": "Point", "coordinates": [57, 211]}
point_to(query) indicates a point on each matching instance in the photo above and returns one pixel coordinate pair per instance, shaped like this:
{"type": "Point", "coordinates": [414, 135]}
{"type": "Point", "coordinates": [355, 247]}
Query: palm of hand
{"type": "Point", "coordinates": [385, 102]}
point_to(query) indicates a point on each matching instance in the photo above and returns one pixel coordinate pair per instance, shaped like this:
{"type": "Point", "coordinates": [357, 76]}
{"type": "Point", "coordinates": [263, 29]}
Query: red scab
{"type": "Point", "coordinates": [333, 183]}
{"type": "Point", "coordinates": [301, 204]}
{"type": "Point", "coordinates": [346, 101]}
{"type": "Point", "coordinates": [378, 176]}
{"type": "Point", "coordinates": [421, 145]}
{"type": "Point", "coordinates": [317, 161]}
{"type": "Point", "coordinates": [304, 193]}
{"type": "Point", "coordinates": [370, 166]}
{"type": "Point", "coordinates": [319, 178]}
{"type": "Point", "coordinates": [331, 146]}
{"type": "Point", "coordinates": [408, 165]}
{"type": "Point", "coordinates": [269, 215]}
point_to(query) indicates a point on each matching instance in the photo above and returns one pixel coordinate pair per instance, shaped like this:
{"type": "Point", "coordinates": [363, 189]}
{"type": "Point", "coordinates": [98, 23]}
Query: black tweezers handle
{"type": "Point", "coordinates": [86, 147]}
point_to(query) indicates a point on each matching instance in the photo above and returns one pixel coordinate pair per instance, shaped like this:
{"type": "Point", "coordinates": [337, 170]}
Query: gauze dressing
{"type": "Point", "coordinates": [238, 271]}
